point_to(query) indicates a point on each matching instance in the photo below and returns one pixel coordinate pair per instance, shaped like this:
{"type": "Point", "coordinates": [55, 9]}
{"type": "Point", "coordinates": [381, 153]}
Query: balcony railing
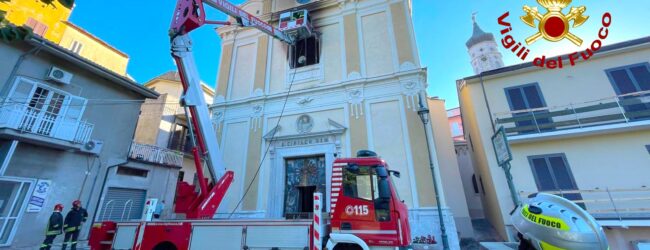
{"type": "Point", "coordinates": [609, 204]}
{"type": "Point", "coordinates": [157, 155]}
{"type": "Point", "coordinates": [618, 109]}
{"type": "Point", "coordinates": [27, 119]}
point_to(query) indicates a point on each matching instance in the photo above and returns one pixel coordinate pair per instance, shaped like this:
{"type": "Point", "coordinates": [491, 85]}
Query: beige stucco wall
{"type": "Point", "coordinates": [95, 50]}
{"type": "Point", "coordinates": [368, 43]}
{"type": "Point", "coordinates": [451, 183]}
{"type": "Point", "coordinates": [593, 159]}
{"type": "Point", "coordinates": [474, 113]}
{"type": "Point", "coordinates": [158, 116]}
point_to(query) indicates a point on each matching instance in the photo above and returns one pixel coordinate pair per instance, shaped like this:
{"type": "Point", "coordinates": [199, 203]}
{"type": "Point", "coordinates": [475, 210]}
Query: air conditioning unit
{"type": "Point", "coordinates": [59, 75]}
{"type": "Point", "coordinates": [93, 147]}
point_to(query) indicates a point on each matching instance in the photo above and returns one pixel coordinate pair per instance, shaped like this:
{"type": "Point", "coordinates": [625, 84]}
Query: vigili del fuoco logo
{"type": "Point", "coordinates": [552, 24]}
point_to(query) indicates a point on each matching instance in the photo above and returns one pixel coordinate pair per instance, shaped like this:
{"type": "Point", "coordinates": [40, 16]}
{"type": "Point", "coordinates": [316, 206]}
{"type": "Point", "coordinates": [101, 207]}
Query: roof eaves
{"type": "Point", "coordinates": [91, 66]}
{"type": "Point", "coordinates": [612, 47]}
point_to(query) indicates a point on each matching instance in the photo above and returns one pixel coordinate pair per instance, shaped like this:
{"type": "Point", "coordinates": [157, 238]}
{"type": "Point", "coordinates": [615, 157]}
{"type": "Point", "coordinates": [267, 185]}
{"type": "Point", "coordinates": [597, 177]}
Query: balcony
{"type": "Point", "coordinates": [619, 112]}
{"type": "Point", "coordinates": [156, 155]}
{"type": "Point", "coordinates": [611, 207]}
{"type": "Point", "coordinates": [26, 119]}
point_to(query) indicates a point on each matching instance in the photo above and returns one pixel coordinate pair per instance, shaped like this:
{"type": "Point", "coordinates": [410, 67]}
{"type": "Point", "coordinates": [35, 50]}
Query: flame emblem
{"type": "Point", "coordinates": [554, 25]}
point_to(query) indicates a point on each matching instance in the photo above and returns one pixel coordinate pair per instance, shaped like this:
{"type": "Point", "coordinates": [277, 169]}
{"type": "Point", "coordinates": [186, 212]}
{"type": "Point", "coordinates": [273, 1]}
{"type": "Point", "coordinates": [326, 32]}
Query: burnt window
{"type": "Point", "coordinates": [180, 138]}
{"type": "Point", "coordinates": [305, 52]}
{"type": "Point", "coordinates": [132, 171]}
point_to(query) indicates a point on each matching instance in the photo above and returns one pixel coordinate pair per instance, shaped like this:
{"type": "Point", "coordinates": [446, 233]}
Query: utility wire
{"type": "Point", "coordinates": [250, 184]}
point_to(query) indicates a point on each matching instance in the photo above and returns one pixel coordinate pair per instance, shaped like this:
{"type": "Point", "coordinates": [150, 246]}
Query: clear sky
{"type": "Point", "coordinates": [139, 28]}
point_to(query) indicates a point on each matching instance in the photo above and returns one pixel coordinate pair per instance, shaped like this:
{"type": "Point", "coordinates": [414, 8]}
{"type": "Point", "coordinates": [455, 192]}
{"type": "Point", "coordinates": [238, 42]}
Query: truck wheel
{"type": "Point", "coordinates": [347, 246]}
{"type": "Point", "coordinates": [165, 246]}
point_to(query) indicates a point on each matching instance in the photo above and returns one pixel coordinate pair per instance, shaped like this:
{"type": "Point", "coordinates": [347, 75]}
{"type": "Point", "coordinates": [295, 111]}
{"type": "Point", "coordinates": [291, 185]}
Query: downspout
{"type": "Point", "coordinates": [487, 104]}
{"type": "Point", "coordinates": [101, 191]}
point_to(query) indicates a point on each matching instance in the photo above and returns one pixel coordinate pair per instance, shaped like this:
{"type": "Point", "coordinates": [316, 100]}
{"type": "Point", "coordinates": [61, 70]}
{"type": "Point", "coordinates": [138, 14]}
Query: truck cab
{"type": "Point", "coordinates": [366, 210]}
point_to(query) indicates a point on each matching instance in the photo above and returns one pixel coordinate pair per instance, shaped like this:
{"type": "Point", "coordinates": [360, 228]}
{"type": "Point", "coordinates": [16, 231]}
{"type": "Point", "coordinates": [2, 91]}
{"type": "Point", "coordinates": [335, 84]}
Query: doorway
{"type": "Point", "coordinates": [303, 177]}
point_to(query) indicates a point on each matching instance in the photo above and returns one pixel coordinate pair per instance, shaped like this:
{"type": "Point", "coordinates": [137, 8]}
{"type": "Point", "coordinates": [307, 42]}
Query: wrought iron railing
{"type": "Point", "coordinates": [608, 204]}
{"type": "Point", "coordinates": [612, 110]}
{"type": "Point", "coordinates": [154, 154]}
{"type": "Point", "coordinates": [28, 119]}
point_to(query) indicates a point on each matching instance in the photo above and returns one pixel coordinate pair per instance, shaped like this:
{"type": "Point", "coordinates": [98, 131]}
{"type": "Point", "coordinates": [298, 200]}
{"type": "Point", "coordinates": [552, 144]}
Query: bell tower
{"type": "Point", "coordinates": [483, 50]}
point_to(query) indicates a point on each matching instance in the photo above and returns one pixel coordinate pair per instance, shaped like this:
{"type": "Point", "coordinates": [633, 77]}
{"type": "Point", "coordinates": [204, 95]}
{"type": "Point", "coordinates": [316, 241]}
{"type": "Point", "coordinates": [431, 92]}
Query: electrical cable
{"type": "Point", "coordinates": [250, 184]}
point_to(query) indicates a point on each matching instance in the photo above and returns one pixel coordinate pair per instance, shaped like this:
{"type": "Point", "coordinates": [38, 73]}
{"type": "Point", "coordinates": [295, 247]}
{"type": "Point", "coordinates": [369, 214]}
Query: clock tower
{"type": "Point", "coordinates": [483, 50]}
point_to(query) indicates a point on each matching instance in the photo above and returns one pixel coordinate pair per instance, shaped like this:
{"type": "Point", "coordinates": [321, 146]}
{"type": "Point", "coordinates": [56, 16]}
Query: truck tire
{"type": "Point", "coordinates": [347, 246]}
{"type": "Point", "coordinates": [165, 246]}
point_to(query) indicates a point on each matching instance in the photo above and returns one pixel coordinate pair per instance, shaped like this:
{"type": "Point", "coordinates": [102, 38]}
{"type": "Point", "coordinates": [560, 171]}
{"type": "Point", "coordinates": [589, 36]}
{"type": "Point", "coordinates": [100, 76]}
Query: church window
{"type": "Point", "coordinates": [306, 52]}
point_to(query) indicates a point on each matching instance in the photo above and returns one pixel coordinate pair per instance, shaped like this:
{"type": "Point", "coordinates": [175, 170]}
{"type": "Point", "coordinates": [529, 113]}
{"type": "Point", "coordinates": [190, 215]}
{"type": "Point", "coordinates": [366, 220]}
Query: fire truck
{"type": "Point", "coordinates": [365, 210]}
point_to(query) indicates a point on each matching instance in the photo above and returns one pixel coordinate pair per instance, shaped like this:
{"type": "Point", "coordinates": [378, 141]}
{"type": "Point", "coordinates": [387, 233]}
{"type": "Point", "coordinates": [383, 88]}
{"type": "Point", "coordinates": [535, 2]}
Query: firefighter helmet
{"type": "Point", "coordinates": [58, 207]}
{"type": "Point", "coordinates": [76, 203]}
{"type": "Point", "coordinates": [552, 222]}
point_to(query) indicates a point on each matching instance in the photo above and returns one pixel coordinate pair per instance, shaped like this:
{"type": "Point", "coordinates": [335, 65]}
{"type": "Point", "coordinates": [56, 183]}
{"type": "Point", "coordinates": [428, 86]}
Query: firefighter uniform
{"type": "Point", "coordinates": [72, 226]}
{"type": "Point", "coordinates": [54, 228]}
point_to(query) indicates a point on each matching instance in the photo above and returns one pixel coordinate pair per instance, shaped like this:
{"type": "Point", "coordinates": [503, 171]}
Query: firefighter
{"type": "Point", "coordinates": [72, 224]}
{"type": "Point", "coordinates": [54, 227]}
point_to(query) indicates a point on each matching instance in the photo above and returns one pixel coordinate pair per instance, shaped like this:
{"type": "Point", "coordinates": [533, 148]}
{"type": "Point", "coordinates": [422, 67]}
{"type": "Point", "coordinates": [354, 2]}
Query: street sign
{"type": "Point", "coordinates": [501, 148]}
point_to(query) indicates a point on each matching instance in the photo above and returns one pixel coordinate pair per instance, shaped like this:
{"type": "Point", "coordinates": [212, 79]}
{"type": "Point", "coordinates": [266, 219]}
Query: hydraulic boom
{"type": "Point", "coordinates": [189, 15]}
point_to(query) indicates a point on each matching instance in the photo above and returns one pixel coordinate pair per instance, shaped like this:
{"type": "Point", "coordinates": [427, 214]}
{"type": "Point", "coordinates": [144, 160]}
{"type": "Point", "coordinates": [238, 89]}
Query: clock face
{"type": "Point", "coordinates": [302, 1]}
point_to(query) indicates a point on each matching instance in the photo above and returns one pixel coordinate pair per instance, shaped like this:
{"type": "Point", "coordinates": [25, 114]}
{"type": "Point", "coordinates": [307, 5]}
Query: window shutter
{"type": "Point", "coordinates": [642, 76]}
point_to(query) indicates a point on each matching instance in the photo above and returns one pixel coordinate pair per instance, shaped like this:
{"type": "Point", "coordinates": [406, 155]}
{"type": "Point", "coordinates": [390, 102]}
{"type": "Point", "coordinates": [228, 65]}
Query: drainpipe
{"type": "Point", "coordinates": [92, 188]}
{"type": "Point", "coordinates": [101, 193]}
{"type": "Point", "coordinates": [487, 104]}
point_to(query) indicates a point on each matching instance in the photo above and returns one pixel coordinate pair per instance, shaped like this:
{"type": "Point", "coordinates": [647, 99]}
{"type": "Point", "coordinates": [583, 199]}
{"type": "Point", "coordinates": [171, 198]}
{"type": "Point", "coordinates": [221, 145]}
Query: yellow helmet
{"type": "Point", "coordinates": [550, 222]}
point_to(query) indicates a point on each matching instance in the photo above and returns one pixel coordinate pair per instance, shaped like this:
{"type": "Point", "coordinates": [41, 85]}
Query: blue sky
{"type": "Point", "coordinates": [139, 28]}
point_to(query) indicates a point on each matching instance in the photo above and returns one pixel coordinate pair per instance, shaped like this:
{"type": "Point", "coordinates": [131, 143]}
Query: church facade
{"type": "Point", "coordinates": [284, 113]}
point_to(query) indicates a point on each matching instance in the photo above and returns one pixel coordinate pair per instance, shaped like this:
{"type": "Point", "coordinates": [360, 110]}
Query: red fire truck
{"type": "Point", "coordinates": [365, 210]}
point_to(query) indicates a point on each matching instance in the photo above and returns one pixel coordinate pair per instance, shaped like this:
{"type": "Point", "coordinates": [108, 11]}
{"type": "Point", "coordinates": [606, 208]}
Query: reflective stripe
{"type": "Point", "coordinates": [368, 231]}
{"type": "Point", "coordinates": [544, 220]}
{"type": "Point", "coordinates": [546, 246]}
{"type": "Point", "coordinates": [57, 232]}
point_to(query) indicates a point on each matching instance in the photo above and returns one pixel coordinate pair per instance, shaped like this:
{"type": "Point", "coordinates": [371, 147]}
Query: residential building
{"type": "Point", "coordinates": [56, 139]}
{"type": "Point", "coordinates": [49, 19]}
{"type": "Point", "coordinates": [354, 86]}
{"type": "Point", "coordinates": [582, 133]}
{"type": "Point", "coordinates": [163, 125]}
{"type": "Point", "coordinates": [44, 17]}
{"type": "Point", "coordinates": [456, 124]}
